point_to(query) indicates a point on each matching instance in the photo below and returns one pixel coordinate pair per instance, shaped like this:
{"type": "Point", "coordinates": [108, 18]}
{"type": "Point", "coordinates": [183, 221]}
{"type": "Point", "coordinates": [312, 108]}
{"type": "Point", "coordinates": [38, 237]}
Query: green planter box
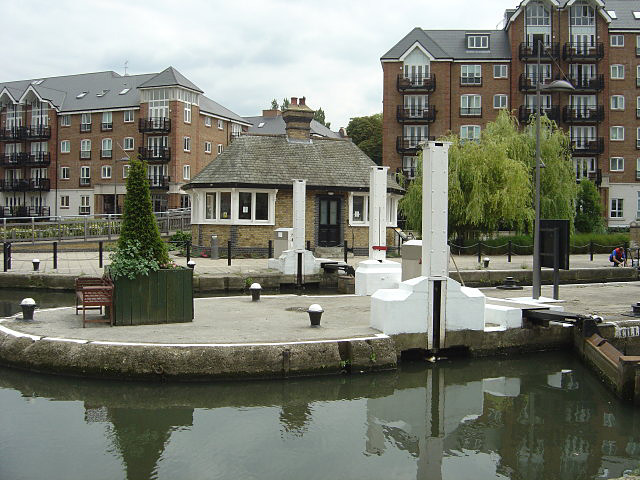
{"type": "Point", "coordinates": [165, 296]}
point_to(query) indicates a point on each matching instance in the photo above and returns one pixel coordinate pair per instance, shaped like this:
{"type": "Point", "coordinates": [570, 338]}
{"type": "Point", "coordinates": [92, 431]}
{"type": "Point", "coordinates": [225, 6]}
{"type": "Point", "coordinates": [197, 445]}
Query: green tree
{"type": "Point", "coordinates": [366, 133]}
{"type": "Point", "coordinates": [274, 104]}
{"type": "Point", "coordinates": [589, 209]}
{"type": "Point", "coordinates": [138, 222]}
{"type": "Point", "coordinates": [491, 180]}
{"type": "Point", "coordinates": [285, 104]}
{"type": "Point", "coordinates": [319, 116]}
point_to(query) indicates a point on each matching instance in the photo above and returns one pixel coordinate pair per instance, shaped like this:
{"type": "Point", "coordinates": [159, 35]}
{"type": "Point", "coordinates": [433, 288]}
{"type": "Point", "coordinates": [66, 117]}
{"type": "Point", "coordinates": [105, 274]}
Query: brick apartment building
{"type": "Point", "coordinates": [65, 141]}
{"type": "Point", "coordinates": [439, 81]}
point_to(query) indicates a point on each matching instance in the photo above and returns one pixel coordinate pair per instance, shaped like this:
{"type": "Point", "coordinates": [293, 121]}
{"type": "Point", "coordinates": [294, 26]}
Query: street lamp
{"type": "Point", "coordinates": [555, 86]}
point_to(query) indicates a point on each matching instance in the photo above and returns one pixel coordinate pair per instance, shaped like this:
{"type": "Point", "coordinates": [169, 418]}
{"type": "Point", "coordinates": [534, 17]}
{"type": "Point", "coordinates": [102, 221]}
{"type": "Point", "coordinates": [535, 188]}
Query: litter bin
{"type": "Point", "coordinates": [283, 240]}
{"type": "Point", "coordinates": [215, 247]}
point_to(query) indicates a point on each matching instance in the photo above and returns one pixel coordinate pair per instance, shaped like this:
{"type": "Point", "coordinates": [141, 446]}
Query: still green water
{"type": "Point", "coordinates": [542, 416]}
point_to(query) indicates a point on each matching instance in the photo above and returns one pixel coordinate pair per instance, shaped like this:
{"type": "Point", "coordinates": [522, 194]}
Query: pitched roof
{"type": "Point", "coordinates": [214, 108]}
{"type": "Point", "coordinates": [271, 161]}
{"type": "Point", "coordinates": [170, 77]}
{"type": "Point", "coordinates": [276, 126]}
{"type": "Point", "coordinates": [625, 19]}
{"type": "Point", "coordinates": [452, 44]}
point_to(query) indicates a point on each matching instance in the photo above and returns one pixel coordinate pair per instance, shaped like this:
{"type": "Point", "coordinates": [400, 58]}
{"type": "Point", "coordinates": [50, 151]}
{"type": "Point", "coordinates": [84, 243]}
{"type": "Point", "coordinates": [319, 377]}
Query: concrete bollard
{"type": "Point", "coordinates": [255, 290]}
{"type": "Point", "coordinates": [28, 306]}
{"type": "Point", "coordinates": [36, 264]}
{"type": "Point", "coordinates": [191, 264]}
{"type": "Point", "coordinates": [315, 314]}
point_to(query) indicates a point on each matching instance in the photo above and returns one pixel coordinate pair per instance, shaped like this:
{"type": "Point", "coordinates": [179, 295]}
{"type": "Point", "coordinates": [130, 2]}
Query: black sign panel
{"type": "Point", "coordinates": [554, 244]}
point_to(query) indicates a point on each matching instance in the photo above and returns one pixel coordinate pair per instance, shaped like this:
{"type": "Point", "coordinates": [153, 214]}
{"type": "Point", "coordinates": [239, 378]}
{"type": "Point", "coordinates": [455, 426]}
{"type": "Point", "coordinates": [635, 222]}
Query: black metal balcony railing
{"type": "Point", "coordinates": [85, 127]}
{"type": "Point", "coordinates": [471, 81]}
{"type": "Point", "coordinates": [530, 50]}
{"type": "Point", "coordinates": [154, 124]}
{"type": "Point", "coordinates": [416, 83]}
{"type": "Point", "coordinates": [587, 145]}
{"type": "Point", "coordinates": [583, 51]}
{"type": "Point", "coordinates": [159, 181]}
{"type": "Point", "coordinates": [593, 83]}
{"type": "Point", "coordinates": [638, 144]}
{"type": "Point", "coordinates": [106, 126]}
{"type": "Point", "coordinates": [14, 159]}
{"type": "Point", "coordinates": [410, 145]}
{"type": "Point", "coordinates": [38, 159]}
{"type": "Point", "coordinates": [527, 82]}
{"type": "Point", "coordinates": [25, 185]}
{"type": "Point", "coordinates": [525, 112]}
{"type": "Point", "coordinates": [155, 154]}
{"type": "Point", "coordinates": [637, 174]}
{"type": "Point", "coordinates": [12, 134]}
{"type": "Point", "coordinates": [85, 154]}
{"type": "Point", "coordinates": [85, 182]}
{"type": "Point", "coordinates": [425, 114]}
{"type": "Point", "coordinates": [37, 132]}
{"type": "Point", "coordinates": [24, 211]}
{"type": "Point", "coordinates": [583, 114]}
{"type": "Point", "coordinates": [471, 111]}
{"type": "Point", "coordinates": [106, 153]}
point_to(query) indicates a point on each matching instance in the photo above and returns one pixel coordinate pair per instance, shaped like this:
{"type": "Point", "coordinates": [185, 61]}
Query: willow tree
{"type": "Point", "coordinates": [491, 180]}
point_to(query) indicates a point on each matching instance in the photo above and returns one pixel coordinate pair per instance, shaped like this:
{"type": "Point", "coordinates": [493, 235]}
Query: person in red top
{"type": "Point", "coordinates": [618, 257]}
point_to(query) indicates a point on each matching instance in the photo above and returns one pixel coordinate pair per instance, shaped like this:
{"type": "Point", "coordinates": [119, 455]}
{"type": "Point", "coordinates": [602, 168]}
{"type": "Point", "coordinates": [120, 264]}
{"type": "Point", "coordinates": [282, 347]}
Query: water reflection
{"type": "Point", "coordinates": [533, 417]}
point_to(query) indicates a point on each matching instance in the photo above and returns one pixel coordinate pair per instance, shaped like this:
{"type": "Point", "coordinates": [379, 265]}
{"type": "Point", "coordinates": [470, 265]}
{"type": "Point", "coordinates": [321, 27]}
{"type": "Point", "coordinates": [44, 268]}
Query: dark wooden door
{"type": "Point", "coordinates": [329, 222]}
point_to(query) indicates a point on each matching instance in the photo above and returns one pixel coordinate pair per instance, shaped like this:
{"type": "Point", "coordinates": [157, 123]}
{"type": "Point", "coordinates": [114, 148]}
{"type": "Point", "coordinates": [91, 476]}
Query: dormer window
{"type": "Point", "coordinates": [124, 91]}
{"type": "Point", "coordinates": [477, 41]}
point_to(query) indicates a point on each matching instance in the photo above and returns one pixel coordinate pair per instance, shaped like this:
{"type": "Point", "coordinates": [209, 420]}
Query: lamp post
{"type": "Point", "coordinates": [555, 86]}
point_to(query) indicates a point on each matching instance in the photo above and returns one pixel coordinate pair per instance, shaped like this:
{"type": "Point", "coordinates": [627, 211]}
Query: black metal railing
{"type": "Point", "coordinates": [25, 184]}
{"type": "Point", "coordinates": [410, 145]}
{"type": "Point", "coordinates": [154, 124]}
{"type": "Point", "coordinates": [17, 159]}
{"type": "Point", "coordinates": [37, 132]}
{"type": "Point", "coordinates": [12, 134]}
{"type": "Point", "coordinates": [159, 181]}
{"type": "Point", "coordinates": [155, 154]}
{"type": "Point", "coordinates": [593, 83]}
{"type": "Point", "coordinates": [471, 111]}
{"type": "Point", "coordinates": [638, 144]}
{"type": "Point", "coordinates": [85, 127]}
{"type": "Point", "coordinates": [84, 182]}
{"type": "Point", "coordinates": [416, 83]}
{"type": "Point", "coordinates": [583, 51]}
{"type": "Point", "coordinates": [530, 50]}
{"type": "Point", "coordinates": [106, 126]}
{"type": "Point", "coordinates": [587, 145]}
{"type": "Point", "coordinates": [425, 114]}
{"type": "Point", "coordinates": [470, 81]}
{"type": "Point", "coordinates": [584, 114]}
{"type": "Point", "coordinates": [24, 211]}
{"type": "Point", "coordinates": [38, 159]}
{"type": "Point", "coordinates": [525, 112]}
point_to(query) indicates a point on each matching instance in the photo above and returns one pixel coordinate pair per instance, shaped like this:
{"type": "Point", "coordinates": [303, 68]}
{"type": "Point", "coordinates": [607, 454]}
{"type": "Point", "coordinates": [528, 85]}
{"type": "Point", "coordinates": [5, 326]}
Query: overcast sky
{"type": "Point", "coordinates": [241, 53]}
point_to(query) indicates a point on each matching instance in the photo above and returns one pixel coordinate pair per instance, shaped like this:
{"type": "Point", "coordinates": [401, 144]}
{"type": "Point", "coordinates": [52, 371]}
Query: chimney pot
{"type": "Point", "coordinates": [302, 100]}
{"type": "Point", "coordinates": [294, 100]}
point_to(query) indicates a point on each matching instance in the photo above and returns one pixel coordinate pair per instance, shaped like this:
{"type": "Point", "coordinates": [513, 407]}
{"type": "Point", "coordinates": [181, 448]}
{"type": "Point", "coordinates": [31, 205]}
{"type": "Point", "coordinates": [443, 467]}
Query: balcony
{"type": "Point", "coordinates": [84, 182]}
{"type": "Point", "coordinates": [416, 83]}
{"type": "Point", "coordinates": [425, 114]}
{"type": "Point", "coordinates": [587, 146]}
{"type": "Point", "coordinates": [525, 112]}
{"type": "Point", "coordinates": [38, 159]}
{"type": "Point", "coordinates": [106, 153]}
{"type": "Point", "coordinates": [85, 127]}
{"type": "Point", "coordinates": [587, 84]}
{"type": "Point", "coordinates": [23, 211]}
{"type": "Point", "coordinates": [12, 134]}
{"type": "Point", "coordinates": [159, 182]}
{"type": "Point", "coordinates": [470, 111]}
{"type": "Point", "coordinates": [528, 51]}
{"type": "Point", "coordinates": [14, 159]}
{"type": "Point", "coordinates": [37, 132]}
{"type": "Point", "coordinates": [593, 114]}
{"type": "Point", "coordinates": [583, 51]}
{"type": "Point", "coordinates": [25, 185]}
{"type": "Point", "coordinates": [106, 126]}
{"type": "Point", "coordinates": [527, 82]}
{"type": "Point", "coordinates": [155, 154]}
{"type": "Point", "coordinates": [410, 145]}
{"type": "Point", "coordinates": [154, 125]}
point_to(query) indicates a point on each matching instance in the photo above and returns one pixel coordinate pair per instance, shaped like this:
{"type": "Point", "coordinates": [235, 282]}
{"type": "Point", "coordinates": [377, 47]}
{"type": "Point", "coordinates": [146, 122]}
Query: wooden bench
{"type": "Point", "coordinates": [93, 293]}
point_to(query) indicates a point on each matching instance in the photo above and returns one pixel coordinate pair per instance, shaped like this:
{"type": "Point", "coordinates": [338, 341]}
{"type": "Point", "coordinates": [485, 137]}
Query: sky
{"type": "Point", "coordinates": [242, 54]}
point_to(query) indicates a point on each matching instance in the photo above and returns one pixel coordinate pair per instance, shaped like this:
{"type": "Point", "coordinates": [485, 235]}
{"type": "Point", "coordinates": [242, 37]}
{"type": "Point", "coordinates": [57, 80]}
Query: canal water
{"type": "Point", "coordinates": [541, 416]}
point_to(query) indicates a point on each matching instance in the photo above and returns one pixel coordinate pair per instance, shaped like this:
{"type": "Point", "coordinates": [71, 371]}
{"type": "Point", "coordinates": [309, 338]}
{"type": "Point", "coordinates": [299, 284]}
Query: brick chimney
{"type": "Point", "coordinates": [271, 113]}
{"type": "Point", "coordinates": [298, 119]}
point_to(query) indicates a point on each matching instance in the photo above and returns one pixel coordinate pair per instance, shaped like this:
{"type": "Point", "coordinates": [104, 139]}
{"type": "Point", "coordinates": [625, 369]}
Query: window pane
{"type": "Point", "coordinates": [244, 205]}
{"type": "Point", "coordinates": [358, 208]}
{"type": "Point", "coordinates": [262, 206]}
{"type": "Point", "coordinates": [210, 207]}
{"type": "Point", "coordinates": [225, 204]}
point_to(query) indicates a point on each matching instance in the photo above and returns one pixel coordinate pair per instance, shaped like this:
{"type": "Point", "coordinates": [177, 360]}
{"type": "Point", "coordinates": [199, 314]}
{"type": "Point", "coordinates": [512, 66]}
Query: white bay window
{"type": "Point", "coordinates": [239, 206]}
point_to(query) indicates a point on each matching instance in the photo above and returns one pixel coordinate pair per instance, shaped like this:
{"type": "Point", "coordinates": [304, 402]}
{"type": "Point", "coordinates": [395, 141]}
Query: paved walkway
{"type": "Point", "coordinates": [87, 263]}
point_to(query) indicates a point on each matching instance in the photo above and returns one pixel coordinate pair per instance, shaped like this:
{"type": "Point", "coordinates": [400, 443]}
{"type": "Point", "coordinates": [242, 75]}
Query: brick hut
{"type": "Point", "coordinates": [246, 193]}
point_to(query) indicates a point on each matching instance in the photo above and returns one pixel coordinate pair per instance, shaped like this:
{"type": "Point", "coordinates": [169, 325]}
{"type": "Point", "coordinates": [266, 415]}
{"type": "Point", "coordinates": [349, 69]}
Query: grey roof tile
{"type": "Point", "coordinates": [276, 126]}
{"type": "Point", "coordinates": [272, 161]}
{"type": "Point", "coordinates": [170, 77]}
{"type": "Point", "coordinates": [624, 14]}
{"type": "Point", "coordinates": [214, 108]}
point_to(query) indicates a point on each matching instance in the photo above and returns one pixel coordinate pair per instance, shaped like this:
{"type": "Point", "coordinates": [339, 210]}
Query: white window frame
{"type": "Point", "coordinates": [85, 169]}
{"type": "Point", "coordinates": [617, 102]}
{"type": "Point", "coordinates": [125, 171]}
{"type": "Point", "coordinates": [207, 147]}
{"type": "Point", "coordinates": [467, 128]}
{"type": "Point", "coordinates": [65, 146]}
{"type": "Point", "coordinates": [471, 75]}
{"type": "Point", "coordinates": [478, 41]}
{"type": "Point", "coordinates": [128, 116]}
{"type": "Point", "coordinates": [616, 40]}
{"type": "Point", "coordinates": [638, 193]}
{"type": "Point", "coordinates": [108, 143]}
{"type": "Point", "coordinates": [207, 121]}
{"type": "Point", "coordinates": [617, 71]}
{"type": "Point", "coordinates": [220, 124]}
{"type": "Point", "coordinates": [186, 172]}
{"type": "Point", "coordinates": [65, 173]}
{"type": "Point", "coordinates": [616, 208]}
{"type": "Point", "coordinates": [500, 71]}
{"type": "Point", "coordinates": [128, 143]}
{"type": "Point", "coordinates": [618, 163]}
{"type": "Point", "coordinates": [86, 119]}
{"type": "Point", "coordinates": [202, 199]}
{"type": "Point", "coordinates": [616, 133]}
{"type": "Point", "coordinates": [187, 113]}
{"type": "Point", "coordinates": [105, 172]}
{"type": "Point", "coordinates": [471, 102]}
{"type": "Point", "coordinates": [220, 149]}
{"type": "Point", "coordinates": [85, 205]}
{"type": "Point", "coordinates": [65, 120]}
{"type": "Point", "coordinates": [392, 210]}
{"type": "Point", "coordinates": [85, 146]}
{"type": "Point", "coordinates": [503, 101]}
{"type": "Point", "coordinates": [186, 144]}
{"type": "Point", "coordinates": [536, 14]}
{"type": "Point", "coordinates": [64, 201]}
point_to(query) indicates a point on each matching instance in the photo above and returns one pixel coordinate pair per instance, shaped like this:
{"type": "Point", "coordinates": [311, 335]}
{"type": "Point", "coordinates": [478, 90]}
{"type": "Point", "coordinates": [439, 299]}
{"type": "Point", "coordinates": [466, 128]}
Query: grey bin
{"type": "Point", "coordinates": [215, 247]}
{"type": "Point", "coordinates": [282, 240]}
{"type": "Point", "coordinates": [411, 259]}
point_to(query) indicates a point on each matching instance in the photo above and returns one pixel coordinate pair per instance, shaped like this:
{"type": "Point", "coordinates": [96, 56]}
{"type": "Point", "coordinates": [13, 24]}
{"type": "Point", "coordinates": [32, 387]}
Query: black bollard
{"type": "Point", "coordinates": [270, 249]}
{"type": "Point", "coordinates": [55, 255]}
{"type": "Point", "coordinates": [100, 248]}
{"type": "Point", "coordinates": [229, 253]}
